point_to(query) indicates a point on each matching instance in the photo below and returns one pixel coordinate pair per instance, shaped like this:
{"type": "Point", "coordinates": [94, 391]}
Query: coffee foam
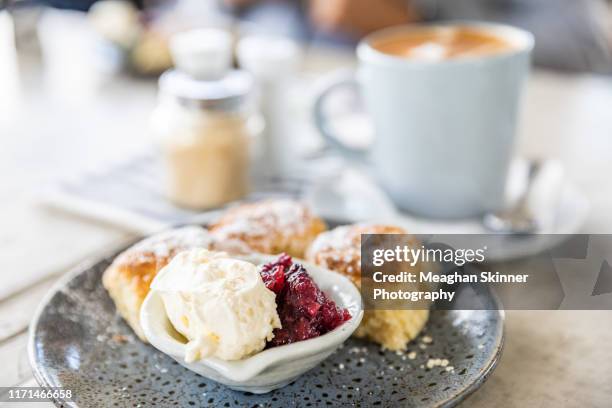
{"type": "Point", "coordinates": [430, 51]}
{"type": "Point", "coordinates": [440, 43]}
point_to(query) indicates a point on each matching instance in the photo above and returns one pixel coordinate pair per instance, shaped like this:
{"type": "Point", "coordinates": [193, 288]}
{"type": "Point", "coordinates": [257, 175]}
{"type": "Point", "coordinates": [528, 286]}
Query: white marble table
{"type": "Point", "coordinates": [551, 359]}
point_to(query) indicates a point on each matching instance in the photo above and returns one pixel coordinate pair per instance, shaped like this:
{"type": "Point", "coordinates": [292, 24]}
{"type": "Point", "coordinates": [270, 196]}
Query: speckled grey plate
{"type": "Point", "coordinates": [78, 342]}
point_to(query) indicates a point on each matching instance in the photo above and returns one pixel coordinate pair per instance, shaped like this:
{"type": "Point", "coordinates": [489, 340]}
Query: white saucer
{"type": "Point", "coordinates": [352, 196]}
{"type": "Point", "coordinates": [569, 215]}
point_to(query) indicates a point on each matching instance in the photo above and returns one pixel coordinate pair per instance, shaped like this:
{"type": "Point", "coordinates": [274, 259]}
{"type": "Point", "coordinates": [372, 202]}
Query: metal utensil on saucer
{"type": "Point", "coordinates": [518, 219]}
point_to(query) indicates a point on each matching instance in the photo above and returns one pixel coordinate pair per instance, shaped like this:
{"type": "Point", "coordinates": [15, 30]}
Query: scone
{"type": "Point", "coordinates": [128, 278]}
{"type": "Point", "coordinates": [340, 250]}
{"type": "Point", "coordinates": [270, 226]}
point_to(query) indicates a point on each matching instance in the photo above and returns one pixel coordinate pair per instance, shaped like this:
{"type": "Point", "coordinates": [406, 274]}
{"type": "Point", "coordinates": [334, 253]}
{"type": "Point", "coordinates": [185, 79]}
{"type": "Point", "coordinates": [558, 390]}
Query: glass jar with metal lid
{"type": "Point", "coordinates": [205, 129]}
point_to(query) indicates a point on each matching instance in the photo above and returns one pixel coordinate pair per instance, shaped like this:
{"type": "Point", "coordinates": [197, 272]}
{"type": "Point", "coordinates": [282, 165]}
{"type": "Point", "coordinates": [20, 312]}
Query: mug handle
{"type": "Point", "coordinates": [342, 80]}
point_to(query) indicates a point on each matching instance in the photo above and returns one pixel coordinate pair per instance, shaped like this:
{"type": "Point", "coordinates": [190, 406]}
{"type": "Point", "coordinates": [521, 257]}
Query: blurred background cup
{"type": "Point", "coordinates": [274, 62]}
{"type": "Point", "coordinates": [444, 127]}
{"type": "Point", "coordinates": [70, 54]}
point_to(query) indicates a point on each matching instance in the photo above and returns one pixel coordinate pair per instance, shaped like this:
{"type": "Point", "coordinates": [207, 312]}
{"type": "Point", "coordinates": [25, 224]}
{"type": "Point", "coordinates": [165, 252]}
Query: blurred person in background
{"type": "Point", "coordinates": [570, 35]}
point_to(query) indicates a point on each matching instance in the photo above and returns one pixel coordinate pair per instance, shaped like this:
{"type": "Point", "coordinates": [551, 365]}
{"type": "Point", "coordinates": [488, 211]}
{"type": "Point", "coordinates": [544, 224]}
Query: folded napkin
{"type": "Point", "coordinates": [129, 195]}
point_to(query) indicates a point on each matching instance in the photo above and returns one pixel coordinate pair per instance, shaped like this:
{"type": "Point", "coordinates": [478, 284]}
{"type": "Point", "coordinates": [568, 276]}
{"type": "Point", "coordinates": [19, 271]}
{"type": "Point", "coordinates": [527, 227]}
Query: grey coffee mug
{"type": "Point", "coordinates": [444, 130]}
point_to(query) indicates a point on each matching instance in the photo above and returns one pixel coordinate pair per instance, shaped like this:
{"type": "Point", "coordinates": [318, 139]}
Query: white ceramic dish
{"type": "Point", "coordinates": [271, 368]}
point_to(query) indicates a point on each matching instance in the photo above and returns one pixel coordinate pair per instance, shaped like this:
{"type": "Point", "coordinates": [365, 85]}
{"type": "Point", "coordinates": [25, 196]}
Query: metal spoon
{"type": "Point", "coordinates": [517, 220]}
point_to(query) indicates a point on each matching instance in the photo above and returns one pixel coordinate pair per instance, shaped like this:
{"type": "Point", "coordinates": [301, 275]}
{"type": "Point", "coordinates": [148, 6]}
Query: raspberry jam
{"type": "Point", "coordinates": [304, 310]}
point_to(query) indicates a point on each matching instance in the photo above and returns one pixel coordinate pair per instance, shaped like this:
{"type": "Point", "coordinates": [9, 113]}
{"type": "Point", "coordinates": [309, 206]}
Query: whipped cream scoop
{"type": "Point", "coordinates": [218, 303]}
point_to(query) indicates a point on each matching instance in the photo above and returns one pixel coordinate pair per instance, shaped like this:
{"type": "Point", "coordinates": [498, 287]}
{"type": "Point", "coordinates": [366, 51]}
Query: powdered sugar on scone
{"type": "Point", "coordinates": [340, 248]}
{"type": "Point", "coordinates": [164, 245]}
{"type": "Point", "coordinates": [270, 226]}
{"type": "Point", "coordinates": [280, 216]}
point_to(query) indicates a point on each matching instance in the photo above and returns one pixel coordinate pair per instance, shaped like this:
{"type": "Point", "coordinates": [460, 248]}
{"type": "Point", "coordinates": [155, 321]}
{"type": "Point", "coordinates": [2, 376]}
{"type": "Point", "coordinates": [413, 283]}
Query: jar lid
{"type": "Point", "coordinates": [223, 94]}
{"type": "Point", "coordinates": [204, 54]}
